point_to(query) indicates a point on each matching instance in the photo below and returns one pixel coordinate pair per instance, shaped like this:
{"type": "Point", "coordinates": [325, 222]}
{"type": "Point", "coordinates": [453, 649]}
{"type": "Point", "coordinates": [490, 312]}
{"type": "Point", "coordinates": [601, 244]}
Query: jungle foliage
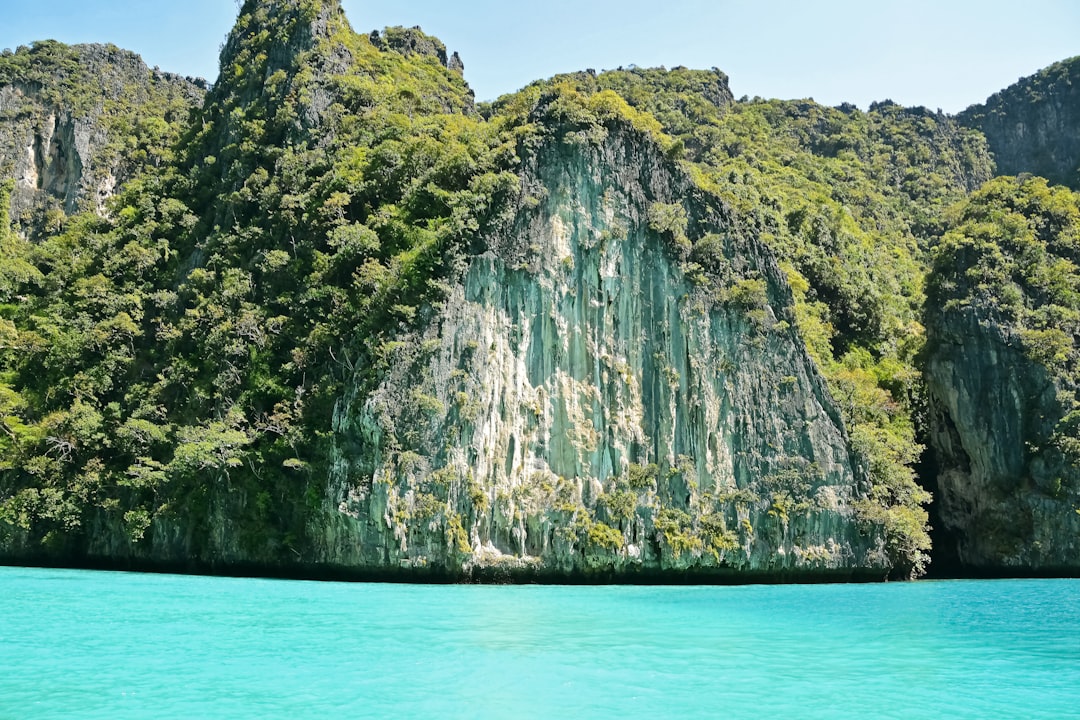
{"type": "Point", "coordinates": [199, 333]}
{"type": "Point", "coordinates": [1011, 260]}
{"type": "Point", "coordinates": [186, 349]}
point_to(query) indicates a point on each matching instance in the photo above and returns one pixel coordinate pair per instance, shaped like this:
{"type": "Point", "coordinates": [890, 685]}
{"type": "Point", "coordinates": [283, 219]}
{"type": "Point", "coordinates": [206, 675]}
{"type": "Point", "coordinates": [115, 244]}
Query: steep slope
{"type": "Point", "coordinates": [1003, 368]}
{"type": "Point", "coordinates": [582, 407]}
{"type": "Point", "coordinates": [174, 366]}
{"type": "Point", "coordinates": [77, 122]}
{"type": "Point", "coordinates": [357, 327]}
{"type": "Point", "coordinates": [849, 202]}
{"type": "Point", "coordinates": [1031, 125]}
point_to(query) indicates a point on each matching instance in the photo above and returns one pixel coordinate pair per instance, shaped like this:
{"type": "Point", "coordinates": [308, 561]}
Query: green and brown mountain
{"type": "Point", "coordinates": [331, 317]}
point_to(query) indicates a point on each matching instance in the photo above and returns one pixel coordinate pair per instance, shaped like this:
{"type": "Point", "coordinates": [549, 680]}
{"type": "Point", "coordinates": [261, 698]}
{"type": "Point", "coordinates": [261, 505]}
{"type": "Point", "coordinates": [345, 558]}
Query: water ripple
{"type": "Point", "coordinates": [113, 645]}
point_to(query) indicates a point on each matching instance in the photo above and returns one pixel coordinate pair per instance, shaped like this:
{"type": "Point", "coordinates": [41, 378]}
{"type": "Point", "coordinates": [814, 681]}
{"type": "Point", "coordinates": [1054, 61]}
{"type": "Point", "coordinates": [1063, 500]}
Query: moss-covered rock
{"type": "Point", "coordinates": [1031, 125]}
{"type": "Point", "coordinates": [1003, 368]}
{"type": "Point", "coordinates": [77, 122]}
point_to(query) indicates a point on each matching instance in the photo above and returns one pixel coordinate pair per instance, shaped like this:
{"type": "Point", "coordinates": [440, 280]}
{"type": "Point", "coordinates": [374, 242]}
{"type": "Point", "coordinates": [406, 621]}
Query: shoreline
{"type": "Point", "coordinates": [495, 575]}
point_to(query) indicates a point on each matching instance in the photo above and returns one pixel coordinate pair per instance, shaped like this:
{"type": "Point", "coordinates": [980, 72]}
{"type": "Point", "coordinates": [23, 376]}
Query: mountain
{"type": "Point", "coordinates": [78, 122]}
{"type": "Point", "coordinates": [1003, 317]}
{"type": "Point", "coordinates": [1031, 126]}
{"type": "Point", "coordinates": [337, 319]}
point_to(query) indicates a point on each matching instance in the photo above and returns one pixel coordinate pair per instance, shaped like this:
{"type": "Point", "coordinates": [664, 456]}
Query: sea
{"type": "Point", "coordinates": [86, 644]}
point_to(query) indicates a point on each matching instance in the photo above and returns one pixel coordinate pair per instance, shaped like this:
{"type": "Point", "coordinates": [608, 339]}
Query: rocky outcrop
{"type": "Point", "coordinates": [1031, 126]}
{"type": "Point", "coordinates": [582, 407]}
{"type": "Point", "coordinates": [355, 326]}
{"type": "Point", "coordinates": [1003, 379]}
{"type": "Point", "coordinates": [414, 41]}
{"type": "Point", "coordinates": [1009, 499]}
{"type": "Point", "coordinates": [72, 120]}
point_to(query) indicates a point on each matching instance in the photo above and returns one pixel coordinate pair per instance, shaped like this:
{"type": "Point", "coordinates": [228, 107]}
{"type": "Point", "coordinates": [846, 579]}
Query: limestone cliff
{"type": "Point", "coordinates": [1031, 125]}
{"type": "Point", "coordinates": [78, 121]}
{"type": "Point", "coordinates": [581, 406]}
{"type": "Point", "coordinates": [355, 325]}
{"type": "Point", "coordinates": [1003, 326]}
{"type": "Point", "coordinates": [1010, 506]}
{"type": "Point", "coordinates": [349, 321]}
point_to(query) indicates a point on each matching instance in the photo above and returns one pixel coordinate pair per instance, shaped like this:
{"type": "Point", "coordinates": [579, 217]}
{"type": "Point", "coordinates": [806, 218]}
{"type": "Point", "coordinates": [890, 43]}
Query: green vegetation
{"type": "Point", "coordinates": [140, 112]}
{"type": "Point", "coordinates": [181, 355]}
{"type": "Point", "coordinates": [675, 528]}
{"type": "Point", "coordinates": [185, 353]}
{"type": "Point", "coordinates": [1011, 259]}
{"type": "Point", "coordinates": [642, 477]}
{"type": "Point", "coordinates": [1013, 249]}
{"type": "Point", "coordinates": [605, 536]}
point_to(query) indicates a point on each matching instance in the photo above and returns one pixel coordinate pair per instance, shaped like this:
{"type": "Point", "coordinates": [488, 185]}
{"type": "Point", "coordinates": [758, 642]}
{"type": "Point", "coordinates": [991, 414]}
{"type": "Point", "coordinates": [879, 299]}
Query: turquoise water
{"type": "Point", "coordinates": [113, 645]}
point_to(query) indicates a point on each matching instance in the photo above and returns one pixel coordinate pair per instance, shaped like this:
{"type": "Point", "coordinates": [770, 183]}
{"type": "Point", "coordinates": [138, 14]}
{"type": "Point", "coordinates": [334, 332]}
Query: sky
{"type": "Point", "coordinates": [945, 54]}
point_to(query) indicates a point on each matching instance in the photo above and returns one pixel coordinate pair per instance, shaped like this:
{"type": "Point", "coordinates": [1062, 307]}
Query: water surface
{"type": "Point", "coordinates": [77, 644]}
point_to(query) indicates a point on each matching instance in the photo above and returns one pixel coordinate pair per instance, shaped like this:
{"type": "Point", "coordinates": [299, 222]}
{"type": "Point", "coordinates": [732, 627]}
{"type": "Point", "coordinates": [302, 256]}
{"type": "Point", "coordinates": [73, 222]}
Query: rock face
{"type": "Point", "coordinates": [1009, 506]}
{"type": "Point", "coordinates": [413, 41]}
{"type": "Point", "coordinates": [1031, 126]}
{"type": "Point", "coordinates": [582, 407]}
{"type": "Point", "coordinates": [54, 155]}
{"type": "Point", "coordinates": [1002, 377]}
{"type": "Point", "coordinates": [67, 116]}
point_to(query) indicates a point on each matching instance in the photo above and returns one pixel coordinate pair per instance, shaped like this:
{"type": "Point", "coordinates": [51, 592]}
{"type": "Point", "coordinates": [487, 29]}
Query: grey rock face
{"type": "Point", "coordinates": [57, 139]}
{"type": "Point", "coordinates": [1032, 126]}
{"type": "Point", "coordinates": [582, 407]}
{"type": "Point", "coordinates": [47, 155]}
{"type": "Point", "coordinates": [1003, 492]}
{"type": "Point", "coordinates": [455, 63]}
{"type": "Point", "coordinates": [413, 41]}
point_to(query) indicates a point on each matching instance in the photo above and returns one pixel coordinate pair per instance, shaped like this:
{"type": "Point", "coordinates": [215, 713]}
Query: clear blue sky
{"type": "Point", "coordinates": [918, 52]}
